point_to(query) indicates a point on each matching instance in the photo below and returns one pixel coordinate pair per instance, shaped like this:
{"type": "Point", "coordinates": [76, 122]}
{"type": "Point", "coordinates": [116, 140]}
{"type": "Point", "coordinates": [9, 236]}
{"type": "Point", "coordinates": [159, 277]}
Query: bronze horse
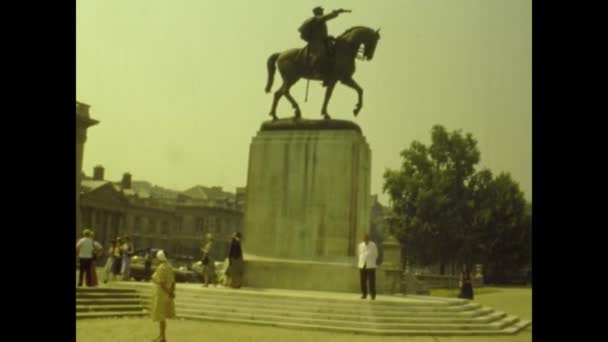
{"type": "Point", "coordinates": [293, 67]}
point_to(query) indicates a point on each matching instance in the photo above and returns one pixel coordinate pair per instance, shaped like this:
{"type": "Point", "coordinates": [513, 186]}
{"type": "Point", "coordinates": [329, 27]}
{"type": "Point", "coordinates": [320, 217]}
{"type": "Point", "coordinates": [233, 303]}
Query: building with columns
{"type": "Point", "coordinates": [175, 221]}
{"type": "Point", "coordinates": [83, 122]}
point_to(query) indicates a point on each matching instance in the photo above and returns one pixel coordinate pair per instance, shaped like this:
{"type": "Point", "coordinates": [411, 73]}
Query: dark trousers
{"type": "Point", "coordinates": [147, 268]}
{"type": "Point", "coordinates": [85, 269]}
{"type": "Point", "coordinates": [368, 275]}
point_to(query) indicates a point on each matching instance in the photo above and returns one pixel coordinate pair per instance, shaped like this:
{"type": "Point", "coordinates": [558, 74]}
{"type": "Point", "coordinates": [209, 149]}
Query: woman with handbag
{"type": "Point", "coordinates": [97, 248]}
{"type": "Point", "coordinates": [85, 248]}
{"type": "Point", "coordinates": [163, 298]}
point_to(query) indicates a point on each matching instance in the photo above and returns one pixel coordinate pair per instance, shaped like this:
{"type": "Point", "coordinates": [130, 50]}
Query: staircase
{"type": "Point", "coordinates": [337, 312]}
{"type": "Point", "coordinates": [108, 302]}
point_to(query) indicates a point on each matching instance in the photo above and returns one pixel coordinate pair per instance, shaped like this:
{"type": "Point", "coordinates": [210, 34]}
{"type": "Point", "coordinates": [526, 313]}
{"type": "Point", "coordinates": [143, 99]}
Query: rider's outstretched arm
{"type": "Point", "coordinates": [334, 14]}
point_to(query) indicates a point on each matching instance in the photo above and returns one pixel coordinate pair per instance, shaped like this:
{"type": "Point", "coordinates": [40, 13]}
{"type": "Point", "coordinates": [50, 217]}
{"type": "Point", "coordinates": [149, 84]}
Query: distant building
{"type": "Point", "coordinates": [160, 218]}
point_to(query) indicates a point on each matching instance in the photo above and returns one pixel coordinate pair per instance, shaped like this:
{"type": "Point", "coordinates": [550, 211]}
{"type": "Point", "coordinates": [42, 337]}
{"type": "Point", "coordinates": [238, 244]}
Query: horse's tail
{"type": "Point", "coordinates": [271, 65]}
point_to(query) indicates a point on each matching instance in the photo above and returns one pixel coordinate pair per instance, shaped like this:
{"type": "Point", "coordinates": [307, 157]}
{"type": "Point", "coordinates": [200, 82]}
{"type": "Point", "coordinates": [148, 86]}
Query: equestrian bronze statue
{"type": "Point", "coordinates": [324, 59]}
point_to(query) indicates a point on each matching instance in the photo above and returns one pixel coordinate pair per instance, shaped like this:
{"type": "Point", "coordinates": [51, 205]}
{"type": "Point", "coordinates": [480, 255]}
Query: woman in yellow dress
{"type": "Point", "coordinates": [163, 304]}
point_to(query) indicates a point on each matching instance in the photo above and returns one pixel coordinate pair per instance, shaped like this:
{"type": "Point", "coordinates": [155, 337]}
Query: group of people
{"type": "Point", "coordinates": [118, 264]}
{"type": "Point", "coordinates": [232, 275]}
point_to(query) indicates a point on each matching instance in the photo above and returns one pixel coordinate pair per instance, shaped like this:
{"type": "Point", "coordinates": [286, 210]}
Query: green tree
{"type": "Point", "coordinates": [503, 223]}
{"type": "Point", "coordinates": [446, 213]}
{"type": "Point", "coordinates": [430, 196]}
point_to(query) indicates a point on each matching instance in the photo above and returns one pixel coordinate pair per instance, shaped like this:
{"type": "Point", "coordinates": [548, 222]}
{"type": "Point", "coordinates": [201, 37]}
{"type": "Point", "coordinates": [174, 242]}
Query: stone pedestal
{"type": "Point", "coordinates": [308, 200]}
{"type": "Point", "coordinates": [391, 265]}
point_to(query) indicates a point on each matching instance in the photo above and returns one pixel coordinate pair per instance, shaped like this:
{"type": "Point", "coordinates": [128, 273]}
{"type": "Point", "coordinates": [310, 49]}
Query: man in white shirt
{"type": "Point", "coordinates": [85, 247]}
{"type": "Point", "coordinates": [368, 253]}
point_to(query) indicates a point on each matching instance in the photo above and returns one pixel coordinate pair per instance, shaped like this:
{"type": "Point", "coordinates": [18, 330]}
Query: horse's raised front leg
{"type": "Point", "coordinates": [328, 91]}
{"type": "Point", "coordinates": [352, 84]}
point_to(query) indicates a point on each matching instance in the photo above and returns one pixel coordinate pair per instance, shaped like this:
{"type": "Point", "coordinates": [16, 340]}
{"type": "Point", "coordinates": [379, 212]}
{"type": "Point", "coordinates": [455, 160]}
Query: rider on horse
{"type": "Point", "coordinates": [314, 32]}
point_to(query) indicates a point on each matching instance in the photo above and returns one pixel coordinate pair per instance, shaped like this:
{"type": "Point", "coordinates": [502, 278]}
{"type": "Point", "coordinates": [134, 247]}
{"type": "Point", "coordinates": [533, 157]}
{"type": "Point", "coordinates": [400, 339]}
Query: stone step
{"type": "Point", "coordinates": [102, 295]}
{"type": "Point", "coordinates": [518, 326]}
{"type": "Point", "coordinates": [416, 315]}
{"type": "Point", "coordinates": [105, 290]}
{"type": "Point", "coordinates": [412, 332]}
{"type": "Point", "coordinates": [370, 323]}
{"type": "Point", "coordinates": [477, 316]}
{"type": "Point", "coordinates": [357, 307]}
{"type": "Point", "coordinates": [98, 308]}
{"type": "Point", "coordinates": [109, 301]}
{"type": "Point", "coordinates": [363, 309]}
{"type": "Point", "coordinates": [86, 315]}
{"type": "Point", "coordinates": [505, 322]}
{"type": "Point", "coordinates": [311, 298]}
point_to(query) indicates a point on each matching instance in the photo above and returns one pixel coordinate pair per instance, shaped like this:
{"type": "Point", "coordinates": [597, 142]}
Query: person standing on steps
{"type": "Point", "coordinates": [208, 262]}
{"type": "Point", "coordinates": [127, 251]}
{"type": "Point", "coordinates": [367, 253]}
{"type": "Point", "coordinates": [148, 258]}
{"type": "Point", "coordinates": [109, 262]}
{"type": "Point", "coordinates": [235, 262]}
{"type": "Point", "coordinates": [116, 258]}
{"type": "Point", "coordinates": [85, 249]}
{"type": "Point", "coordinates": [97, 253]}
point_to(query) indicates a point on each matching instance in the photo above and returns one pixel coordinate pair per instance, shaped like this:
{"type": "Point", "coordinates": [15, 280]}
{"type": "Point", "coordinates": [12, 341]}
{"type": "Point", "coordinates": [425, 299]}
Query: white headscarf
{"type": "Point", "coordinates": [160, 255]}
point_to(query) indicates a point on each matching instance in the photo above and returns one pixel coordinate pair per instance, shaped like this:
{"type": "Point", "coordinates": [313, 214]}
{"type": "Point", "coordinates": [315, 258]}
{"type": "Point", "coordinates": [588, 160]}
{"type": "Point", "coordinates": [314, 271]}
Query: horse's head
{"type": "Point", "coordinates": [360, 35]}
{"type": "Point", "coordinates": [370, 44]}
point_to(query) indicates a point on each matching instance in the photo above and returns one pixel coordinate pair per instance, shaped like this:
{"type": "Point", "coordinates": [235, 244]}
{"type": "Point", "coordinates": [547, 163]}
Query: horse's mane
{"type": "Point", "coordinates": [350, 30]}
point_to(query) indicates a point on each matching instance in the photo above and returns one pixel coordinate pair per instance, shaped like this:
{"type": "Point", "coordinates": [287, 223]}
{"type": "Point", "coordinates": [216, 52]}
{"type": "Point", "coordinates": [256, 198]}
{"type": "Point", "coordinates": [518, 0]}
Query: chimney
{"type": "Point", "coordinates": [98, 172]}
{"type": "Point", "coordinates": [126, 181]}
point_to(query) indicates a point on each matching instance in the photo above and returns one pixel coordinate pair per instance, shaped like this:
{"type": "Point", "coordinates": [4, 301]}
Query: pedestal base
{"type": "Point", "coordinates": [306, 275]}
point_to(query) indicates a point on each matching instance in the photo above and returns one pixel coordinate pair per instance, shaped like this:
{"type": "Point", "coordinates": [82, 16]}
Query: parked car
{"type": "Point", "coordinates": [220, 268]}
{"type": "Point", "coordinates": [180, 269]}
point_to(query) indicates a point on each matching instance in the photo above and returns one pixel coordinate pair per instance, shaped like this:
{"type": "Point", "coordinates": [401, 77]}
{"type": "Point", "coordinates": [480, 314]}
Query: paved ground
{"type": "Point", "coordinates": [513, 301]}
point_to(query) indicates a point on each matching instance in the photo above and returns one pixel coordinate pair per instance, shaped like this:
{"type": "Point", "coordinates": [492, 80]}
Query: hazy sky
{"type": "Point", "coordinates": [178, 85]}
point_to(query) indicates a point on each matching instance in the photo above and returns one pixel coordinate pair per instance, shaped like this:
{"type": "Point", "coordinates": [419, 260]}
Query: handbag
{"type": "Point", "coordinates": [94, 252]}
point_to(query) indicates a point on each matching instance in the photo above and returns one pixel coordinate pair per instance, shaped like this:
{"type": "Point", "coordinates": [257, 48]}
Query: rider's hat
{"type": "Point", "coordinates": [317, 10]}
